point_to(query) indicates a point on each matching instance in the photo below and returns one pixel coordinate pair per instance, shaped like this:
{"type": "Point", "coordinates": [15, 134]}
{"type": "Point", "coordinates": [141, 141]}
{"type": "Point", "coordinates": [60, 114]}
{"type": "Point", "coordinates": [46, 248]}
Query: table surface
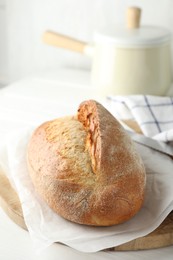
{"type": "Point", "coordinates": [18, 108]}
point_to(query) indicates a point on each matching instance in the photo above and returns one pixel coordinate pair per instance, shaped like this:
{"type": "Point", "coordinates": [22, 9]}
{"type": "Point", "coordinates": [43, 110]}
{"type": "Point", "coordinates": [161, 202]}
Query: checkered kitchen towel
{"type": "Point", "coordinates": [154, 114]}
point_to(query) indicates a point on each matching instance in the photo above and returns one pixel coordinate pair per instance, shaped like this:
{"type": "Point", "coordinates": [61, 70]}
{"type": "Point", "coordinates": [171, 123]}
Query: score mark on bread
{"type": "Point", "coordinates": [86, 167]}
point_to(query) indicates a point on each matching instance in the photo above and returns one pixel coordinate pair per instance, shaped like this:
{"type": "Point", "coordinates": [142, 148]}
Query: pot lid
{"type": "Point", "coordinates": [146, 36]}
{"type": "Point", "coordinates": [133, 35]}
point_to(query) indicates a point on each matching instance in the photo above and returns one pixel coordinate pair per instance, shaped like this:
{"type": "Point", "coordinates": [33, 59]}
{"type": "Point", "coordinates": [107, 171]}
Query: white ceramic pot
{"type": "Point", "coordinates": [132, 60]}
{"type": "Point", "coordinates": [136, 61]}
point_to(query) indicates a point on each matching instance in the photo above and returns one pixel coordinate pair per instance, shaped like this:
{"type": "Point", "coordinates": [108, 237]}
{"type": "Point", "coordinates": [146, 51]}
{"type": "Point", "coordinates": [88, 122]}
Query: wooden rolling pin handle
{"type": "Point", "coordinates": [133, 17]}
{"type": "Point", "coordinates": [63, 41]}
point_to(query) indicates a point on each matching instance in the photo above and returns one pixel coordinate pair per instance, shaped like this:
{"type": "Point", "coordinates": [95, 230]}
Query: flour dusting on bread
{"type": "Point", "coordinates": [86, 167]}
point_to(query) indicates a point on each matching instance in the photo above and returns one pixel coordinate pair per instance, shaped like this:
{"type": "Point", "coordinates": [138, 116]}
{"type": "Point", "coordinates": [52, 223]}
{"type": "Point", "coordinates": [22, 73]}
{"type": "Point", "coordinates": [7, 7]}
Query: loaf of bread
{"type": "Point", "coordinates": [86, 167]}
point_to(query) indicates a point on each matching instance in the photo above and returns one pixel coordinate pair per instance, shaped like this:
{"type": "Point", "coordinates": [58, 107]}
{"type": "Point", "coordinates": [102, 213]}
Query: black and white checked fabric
{"type": "Point", "coordinates": [154, 114]}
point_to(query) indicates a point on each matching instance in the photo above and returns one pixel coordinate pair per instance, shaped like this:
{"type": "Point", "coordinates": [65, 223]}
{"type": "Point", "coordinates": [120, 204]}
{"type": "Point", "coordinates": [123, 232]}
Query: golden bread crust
{"type": "Point", "coordinates": [86, 167]}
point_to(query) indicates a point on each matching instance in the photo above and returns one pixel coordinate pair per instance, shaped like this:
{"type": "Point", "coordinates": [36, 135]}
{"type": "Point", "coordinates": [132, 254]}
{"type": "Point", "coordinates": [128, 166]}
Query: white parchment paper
{"type": "Point", "coordinates": [46, 227]}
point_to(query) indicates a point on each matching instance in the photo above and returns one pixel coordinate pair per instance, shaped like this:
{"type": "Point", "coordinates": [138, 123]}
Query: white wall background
{"type": "Point", "coordinates": [3, 42]}
{"type": "Point", "coordinates": [22, 23]}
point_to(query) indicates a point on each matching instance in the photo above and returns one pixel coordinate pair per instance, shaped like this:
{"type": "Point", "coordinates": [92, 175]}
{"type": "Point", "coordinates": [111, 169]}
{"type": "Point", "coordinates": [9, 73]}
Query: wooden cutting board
{"type": "Point", "coordinates": [161, 237]}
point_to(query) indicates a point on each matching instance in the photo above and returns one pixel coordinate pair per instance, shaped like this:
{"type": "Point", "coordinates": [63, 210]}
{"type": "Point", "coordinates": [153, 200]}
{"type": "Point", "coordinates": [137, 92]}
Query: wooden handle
{"type": "Point", "coordinates": [63, 41]}
{"type": "Point", "coordinates": [133, 17]}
